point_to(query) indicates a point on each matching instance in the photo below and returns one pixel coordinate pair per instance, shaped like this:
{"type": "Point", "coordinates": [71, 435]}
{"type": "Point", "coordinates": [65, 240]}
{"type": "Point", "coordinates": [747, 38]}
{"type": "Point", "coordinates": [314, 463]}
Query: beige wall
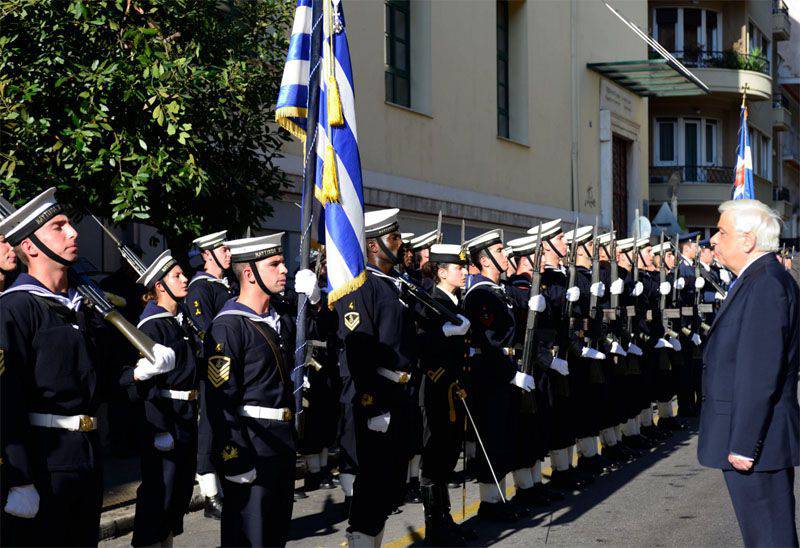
{"type": "Point", "coordinates": [453, 146]}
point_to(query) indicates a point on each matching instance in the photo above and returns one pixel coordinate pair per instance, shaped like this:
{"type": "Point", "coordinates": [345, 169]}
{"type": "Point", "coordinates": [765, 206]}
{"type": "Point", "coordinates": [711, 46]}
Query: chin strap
{"type": "Point", "coordinates": [261, 283]}
{"type": "Point", "coordinates": [214, 256]}
{"type": "Point", "coordinates": [551, 246]}
{"type": "Point", "coordinates": [49, 252]}
{"type": "Point", "coordinates": [494, 261]}
{"type": "Point", "coordinates": [389, 255]}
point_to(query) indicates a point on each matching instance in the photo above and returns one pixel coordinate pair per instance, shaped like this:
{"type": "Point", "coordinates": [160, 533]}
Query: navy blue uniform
{"type": "Point", "coordinates": [249, 364]}
{"type": "Point", "coordinates": [167, 476]}
{"type": "Point", "coordinates": [377, 331]}
{"type": "Point", "coordinates": [205, 298]}
{"type": "Point", "coordinates": [51, 357]}
{"type": "Point", "coordinates": [750, 403]}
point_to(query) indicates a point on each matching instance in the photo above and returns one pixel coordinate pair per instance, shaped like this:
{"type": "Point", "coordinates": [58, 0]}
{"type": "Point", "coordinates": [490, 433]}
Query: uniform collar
{"type": "Point", "coordinates": [25, 282]}
{"type": "Point", "coordinates": [152, 312]}
{"type": "Point", "coordinates": [234, 308]}
{"type": "Point", "coordinates": [203, 275]}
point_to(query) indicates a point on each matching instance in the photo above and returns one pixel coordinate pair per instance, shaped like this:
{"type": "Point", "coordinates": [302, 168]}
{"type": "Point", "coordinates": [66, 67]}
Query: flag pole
{"type": "Point", "coordinates": [308, 184]}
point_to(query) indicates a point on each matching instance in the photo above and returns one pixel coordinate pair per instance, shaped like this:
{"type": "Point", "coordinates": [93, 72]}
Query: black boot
{"type": "Point", "coordinates": [213, 507]}
{"type": "Point", "coordinates": [312, 481]}
{"type": "Point", "coordinates": [326, 479]}
{"type": "Point", "coordinates": [440, 530]}
{"type": "Point", "coordinates": [547, 492]}
{"type": "Point", "coordinates": [299, 494]}
{"type": "Point", "coordinates": [497, 511]}
{"type": "Point", "coordinates": [413, 493]}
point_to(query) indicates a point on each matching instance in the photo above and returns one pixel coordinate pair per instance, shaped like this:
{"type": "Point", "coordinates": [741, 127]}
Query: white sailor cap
{"type": "Point", "coordinates": [247, 250]}
{"type": "Point", "coordinates": [485, 240]}
{"type": "Point", "coordinates": [381, 222]}
{"type": "Point", "coordinates": [31, 217]}
{"type": "Point", "coordinates": [406, 237]}
{"type": "Point", "coordinates": [548, 229]}
{"type": "Point", "coordinates": [211, 241]}
{"type": "Point", "coordinates": [521, 246]}
{"type": "Point", "coordinates": [425, 240]}
{"type": "Point", "coordinates": [642, 242]}
{"type": "Point", "coordinates": [659, 248]}
{"type": "Point", "coordinates": [605, 238]}
{"type": "Point", "coordinates": [625, 244]}
{"type": "Point", "coordinates": [580, 235]}
{"type": "Point", "coordinates": [157, 270]}
{"type": "Point", "coordinates": [447, 253]}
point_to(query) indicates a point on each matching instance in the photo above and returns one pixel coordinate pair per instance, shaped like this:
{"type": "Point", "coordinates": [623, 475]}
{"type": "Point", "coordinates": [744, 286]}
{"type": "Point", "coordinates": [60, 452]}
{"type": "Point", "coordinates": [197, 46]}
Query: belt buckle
{"type": "Point", "coordinates": [192, 395]}
{"type": "Point", "coordinates": [404, 378]}
{"type": "Point", "coordinates": [287, 414]}
{"type": "Point", "coordinates": [85, 424]}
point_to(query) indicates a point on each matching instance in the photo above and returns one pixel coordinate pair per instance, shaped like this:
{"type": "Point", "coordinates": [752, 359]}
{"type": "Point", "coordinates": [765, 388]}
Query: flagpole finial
{"type": "Point", "coordinates": [744, 93]}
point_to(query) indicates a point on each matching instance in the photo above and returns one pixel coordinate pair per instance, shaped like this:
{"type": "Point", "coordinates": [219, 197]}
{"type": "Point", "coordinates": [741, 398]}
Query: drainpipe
{"type": "Point", "coordinates": [573, 59]}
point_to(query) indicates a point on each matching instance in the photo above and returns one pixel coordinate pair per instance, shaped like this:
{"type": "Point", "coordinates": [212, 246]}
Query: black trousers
{"type": "Point", "coordinates": [764, 505]}
{"type": "Point", "coordinates": [69, 512]}
{"type": "Point", "coordinates": [204, 436]}
{"type": "Point", "coordinates": [259, 514]}
{"type": "Point", "coordinates": [163, 497]}
{"type": "Point", "coordinates": [443, 416]}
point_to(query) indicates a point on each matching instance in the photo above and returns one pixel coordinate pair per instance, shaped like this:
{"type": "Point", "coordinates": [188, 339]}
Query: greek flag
{"type": "Point", "coordinates": [320, 57]}
{"type": "Point", "coordinates": [743, 182]}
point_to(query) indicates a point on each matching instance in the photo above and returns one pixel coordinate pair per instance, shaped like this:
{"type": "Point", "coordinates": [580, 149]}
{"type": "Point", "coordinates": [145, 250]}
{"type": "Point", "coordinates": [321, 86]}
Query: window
{"type": "Point", "coordinates": [666, 18]}
{"type": "Point", "coordinates": [502, 69]}
{"type": "Point", "coordinates": [758, 42]}
{"type": "Point", "coordinates": [761, 153]}
{"type": "Point", "coordinates": [666, 136]}
{"type": "Point", "coordinates": [711, 142]}
{"type": "Point", "coordinates": [692, 34]}
{"type": "Point", "coordinates": [397, 52]}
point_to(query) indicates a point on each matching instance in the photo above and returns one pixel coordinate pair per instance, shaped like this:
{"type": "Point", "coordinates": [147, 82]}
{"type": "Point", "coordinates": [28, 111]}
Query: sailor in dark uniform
{"type": "Point", "coordinates": [377, 364]}
{"type": "Point", "coordinates": [421, 246]}
{"type": "Point", "coordinates": [250, 349]}
{"type": "Point", "coordinates": [8, 263]}
{"type": "Point", "coordinates": [690, 391]}
{"type": "Point", "coordinates": [209, 290]}
{"type": "Point", "coordinates": [406, 254]}
{"type": "Point", "coordinates": [168, 415]}
{"type": "Point", "coordinates": [53, 381]}
{"type": "Point", "coordinates": [493, 371]}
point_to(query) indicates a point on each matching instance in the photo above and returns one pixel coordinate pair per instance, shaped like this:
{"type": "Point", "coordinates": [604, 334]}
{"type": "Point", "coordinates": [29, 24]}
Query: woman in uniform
{"type": "Point", "coordinates": [168, 412]}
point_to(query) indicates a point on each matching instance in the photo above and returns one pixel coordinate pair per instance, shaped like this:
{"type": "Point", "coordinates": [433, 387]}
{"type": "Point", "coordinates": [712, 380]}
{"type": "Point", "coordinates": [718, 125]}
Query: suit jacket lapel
{"type": "Point", "coordinates": [752, 269]}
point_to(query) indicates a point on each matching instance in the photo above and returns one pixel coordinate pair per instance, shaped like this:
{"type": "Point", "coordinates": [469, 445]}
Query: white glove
{"type": "Point", "coordinates": [165, 362]}
{"type": "Point", "coordinates": [719, 296]}
{"type": "Point", "coordinates": [573, 294]}
{"type": "Point", "coordinates": [379, 423]}
{"type": "Point", "coordinates": [725, 276]}
{"type": "Point", "coordinates": [560, 366]}
{"type": "Point", "coordinates": [699, 282]}
{"type": "Point", "coordinates": [637, 290]}
{"type": "Point", "coordinates": [163, 441]}
{"type": "Point", "coordinates": [664, 288]}
{"type": "Point", "coordinates": [676, 344]}
{"type": "Point", "coordinates": [663, 343]}
{"type": "Point", "coordinates": [247, 477]}
{"type": "Point", "coordinates": [524, 381]}
{"type": "Point", "coordinates": [598, 289]}
{"type": "Point", "coordinates": [451, 330]}
{"type": "Point", "coordinates": [633, 349]}
{"type": "Point", "coordinates": [617, 286]}
{"type": "Point", "coordinates": [696, 339]}
{"type": "Point", "coordinates": [305, 281]}
{"type": "Point", "coordinates": [537, 303]}
{"type": "Point", "coordinates": [680, 283]}
{"type": "Point", "coordinates": [617, 349]}
{"type": "Point", "coordinates": [23, 501]}
{"type": "Point", "coordinates": [592, 354]}
{"type": "Point", "coordinates": [306, 382]}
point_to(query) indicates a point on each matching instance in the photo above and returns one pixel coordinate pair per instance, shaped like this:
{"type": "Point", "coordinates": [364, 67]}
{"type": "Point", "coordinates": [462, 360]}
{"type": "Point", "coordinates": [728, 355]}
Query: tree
{"type": "Point", "coordinates": [157, 111]}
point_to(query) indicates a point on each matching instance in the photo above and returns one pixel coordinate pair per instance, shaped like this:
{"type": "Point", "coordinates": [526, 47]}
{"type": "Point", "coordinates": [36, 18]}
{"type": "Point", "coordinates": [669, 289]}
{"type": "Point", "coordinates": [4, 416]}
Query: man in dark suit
{"type": "Point", "coordinates": [750, 421]}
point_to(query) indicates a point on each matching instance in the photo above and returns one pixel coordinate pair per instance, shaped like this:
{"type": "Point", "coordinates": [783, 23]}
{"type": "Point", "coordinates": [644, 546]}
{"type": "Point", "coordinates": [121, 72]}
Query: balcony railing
{"type": "Point", "coordinates": [693, 174]}
{"type": "Point", "coordinates": [778, 101]}
{"type": "Point", "coordinates": [780, 7]}
{"type": "Point", "coordinates": [699, 58]}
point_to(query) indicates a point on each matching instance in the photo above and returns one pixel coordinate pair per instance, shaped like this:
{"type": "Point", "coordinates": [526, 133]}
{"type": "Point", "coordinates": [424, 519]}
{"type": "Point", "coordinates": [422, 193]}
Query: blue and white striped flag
{"type": "Point", "coordinates": [338, 204]}
{"type": "Point", "coordinates": [743, 179]}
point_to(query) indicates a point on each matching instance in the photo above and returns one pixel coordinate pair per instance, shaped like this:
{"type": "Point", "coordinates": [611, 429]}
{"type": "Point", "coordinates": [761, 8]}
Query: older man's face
{"type": "Point", "coordinates": [731, 248]}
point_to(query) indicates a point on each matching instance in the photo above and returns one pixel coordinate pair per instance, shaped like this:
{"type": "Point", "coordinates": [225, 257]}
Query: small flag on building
{"type": "Point", "coordinates": [743, 181]}
{"type": "Point", "coordinates": [323, 60]}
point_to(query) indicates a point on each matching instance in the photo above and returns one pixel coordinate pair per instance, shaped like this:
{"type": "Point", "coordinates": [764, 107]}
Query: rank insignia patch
{"type": "Point", "coordinates": [351, 320]}
{"type": "Point", "coordinates": [230, 452]}
{"type": "Point", "coordinates": [219, 370]}
{"type": "Point", "coordinates": [218, 348]}
{"type": "Point", "coordinates": [367, 400]}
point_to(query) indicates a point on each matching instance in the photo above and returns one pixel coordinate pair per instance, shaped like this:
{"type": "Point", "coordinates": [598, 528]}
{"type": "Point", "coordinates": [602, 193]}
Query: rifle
{"type": "Point", "coordinates": [662, 277]}
{"type": "Point", "coordinates": [611, 316]}
{"type": "Point", "coordinates": [528, 402]}
{"type": "Point", "coordinates": [672, 313]}
{"type": "Point", "coordinates": [424, 298]}
{"type": "Point", "coordinates": [595, 312]}
{"type": "Point", "coordinates": [439, 228]}
{"type": "Point", "coordinates": [567, 315]}
{"type": "Point", "coordinates": [630, 312]}
{"type": "Point", "coordinates": [95, 298]}
{"type": "Point", "coordinates": [139, 267]}
{"type": "Point", "coordinates": [699, 306]}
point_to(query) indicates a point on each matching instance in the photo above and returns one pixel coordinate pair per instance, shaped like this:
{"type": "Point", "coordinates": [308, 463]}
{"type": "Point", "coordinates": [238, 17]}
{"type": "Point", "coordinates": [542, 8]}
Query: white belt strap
{"type": "Point", "coordinates": [76, 423]}
{"type": "Point", "coordinates": [186, 395]}
{"type": "Point", "coordinates": [258, 412]}
{"type": "Point", "coordinates": [400, 377]}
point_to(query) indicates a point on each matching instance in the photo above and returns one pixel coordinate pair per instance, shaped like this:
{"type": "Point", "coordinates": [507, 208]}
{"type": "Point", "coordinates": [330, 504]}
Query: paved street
{"type": "Point", "coordinates": [663, 499]}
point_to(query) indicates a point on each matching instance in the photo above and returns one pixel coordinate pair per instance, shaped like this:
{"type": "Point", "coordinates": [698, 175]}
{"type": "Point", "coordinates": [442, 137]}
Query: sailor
{"type": "Point", "coordinates": [421, 246]}
{"type": "Point", "coordinates": [52, 380]}
{"type": "Point", "coordinates": [168, 415]}
{"type": "Point", "coordinates": [209, 290]}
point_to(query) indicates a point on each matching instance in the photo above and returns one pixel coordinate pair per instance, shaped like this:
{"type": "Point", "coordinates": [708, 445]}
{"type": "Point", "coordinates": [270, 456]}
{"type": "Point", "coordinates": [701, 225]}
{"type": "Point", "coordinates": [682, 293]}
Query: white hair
{"type": "Point", "coordinates": [756, 218]}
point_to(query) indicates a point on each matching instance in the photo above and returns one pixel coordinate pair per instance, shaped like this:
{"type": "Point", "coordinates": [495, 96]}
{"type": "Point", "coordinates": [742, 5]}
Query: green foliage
{"type": "Point", "coordinates": [158, 111]}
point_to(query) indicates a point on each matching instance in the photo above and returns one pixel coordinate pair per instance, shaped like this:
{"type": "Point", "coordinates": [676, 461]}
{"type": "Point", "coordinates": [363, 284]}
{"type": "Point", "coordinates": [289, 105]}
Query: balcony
{"type": "Point", "coordinates": [727, 72]}
{"type": "Point", "coordinates": [790, 148]}
{"type": "Point", "coordinates": [782, 202]}
{"type": "Point", "coordinates": [700, 185]}
{"type": "Point", "coordinates": [781, 116]}
{"type": "Point", "coordinates": [781, 23]}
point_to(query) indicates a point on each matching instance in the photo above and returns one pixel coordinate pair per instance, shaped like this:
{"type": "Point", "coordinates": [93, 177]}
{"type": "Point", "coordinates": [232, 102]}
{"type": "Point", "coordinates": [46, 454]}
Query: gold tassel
{"type": "Point", "coordinates": [330, 179]}
{"type": "Point", "coordinates": [335, 116]}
